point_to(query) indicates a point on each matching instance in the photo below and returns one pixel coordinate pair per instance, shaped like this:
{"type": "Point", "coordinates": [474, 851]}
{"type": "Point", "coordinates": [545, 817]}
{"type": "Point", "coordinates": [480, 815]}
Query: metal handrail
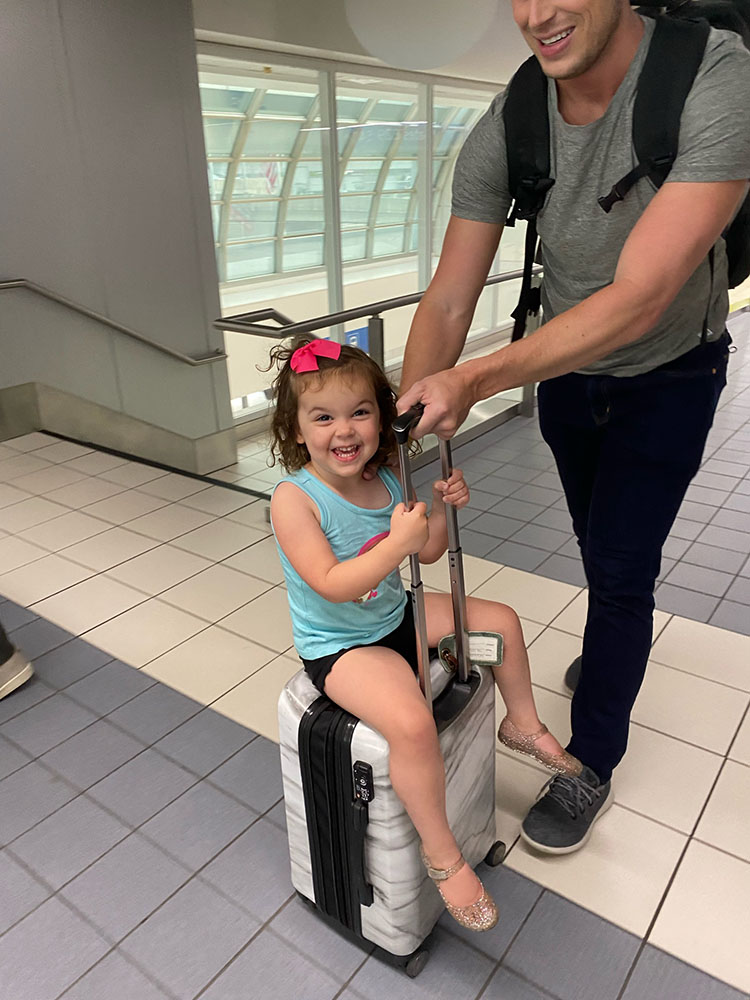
{"type": "Point", "coordinates": [200, 359]}
{"type": "Point", "coordinates": [250, 322]}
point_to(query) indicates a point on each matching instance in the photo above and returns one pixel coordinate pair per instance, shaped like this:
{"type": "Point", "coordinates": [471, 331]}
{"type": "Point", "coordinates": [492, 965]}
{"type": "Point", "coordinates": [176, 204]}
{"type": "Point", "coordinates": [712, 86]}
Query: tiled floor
{"type": "Point", "coordinates": [142, 854]}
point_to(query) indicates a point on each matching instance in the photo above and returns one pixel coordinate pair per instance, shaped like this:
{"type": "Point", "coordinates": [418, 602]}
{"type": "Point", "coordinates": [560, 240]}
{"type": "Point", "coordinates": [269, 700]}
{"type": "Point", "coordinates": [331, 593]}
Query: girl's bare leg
{"type": "Point", "coordinates": [512, 677]}
{"type": "Point", "coordinates": [378, 686]}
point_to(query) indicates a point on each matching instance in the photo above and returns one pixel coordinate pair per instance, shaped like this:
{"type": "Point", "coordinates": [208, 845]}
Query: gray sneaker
{"type": "Point", "coordinates": [14, 672]}
{"type": "Point", "coordinates": [562, 818]}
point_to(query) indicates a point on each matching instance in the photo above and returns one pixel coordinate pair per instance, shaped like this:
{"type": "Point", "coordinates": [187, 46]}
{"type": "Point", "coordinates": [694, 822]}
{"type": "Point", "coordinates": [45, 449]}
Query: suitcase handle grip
{"type": "Point", "coordinates": [403, 424]}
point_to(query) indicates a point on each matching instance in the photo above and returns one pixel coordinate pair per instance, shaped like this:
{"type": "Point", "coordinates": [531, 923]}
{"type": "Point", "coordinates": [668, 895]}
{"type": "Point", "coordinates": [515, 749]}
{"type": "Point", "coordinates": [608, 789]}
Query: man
{"type": "Point", "coordinates": [628, 390]}
{"type": "Point", "coordinates": [15, 669]}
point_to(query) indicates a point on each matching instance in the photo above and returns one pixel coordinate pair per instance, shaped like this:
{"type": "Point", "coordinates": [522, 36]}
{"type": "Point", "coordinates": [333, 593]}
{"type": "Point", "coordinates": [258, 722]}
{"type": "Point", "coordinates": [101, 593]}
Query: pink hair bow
{"type": "Point", "coordinates": [305, 359]}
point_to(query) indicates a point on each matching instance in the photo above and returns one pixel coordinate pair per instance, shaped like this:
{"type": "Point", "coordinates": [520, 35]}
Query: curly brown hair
{"type": "Point", "coordinates": [288, 385]}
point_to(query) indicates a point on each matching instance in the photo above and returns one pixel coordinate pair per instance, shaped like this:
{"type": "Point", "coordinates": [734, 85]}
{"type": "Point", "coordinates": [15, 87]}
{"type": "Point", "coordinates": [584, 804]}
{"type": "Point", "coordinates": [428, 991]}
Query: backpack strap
{"type": "Point", "coordinates": [672, 61]}
{"type": "Point", "coordinates": [527, 144]}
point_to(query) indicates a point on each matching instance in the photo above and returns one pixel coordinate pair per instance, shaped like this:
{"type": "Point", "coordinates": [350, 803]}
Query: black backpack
{"type": "Point", "coordinates": [675, 53]}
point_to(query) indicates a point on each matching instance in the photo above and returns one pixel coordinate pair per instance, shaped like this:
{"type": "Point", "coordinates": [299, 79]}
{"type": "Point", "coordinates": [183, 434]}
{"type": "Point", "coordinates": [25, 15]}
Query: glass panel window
{"type": "Point", "coordinates": [354, 244]}
{"type": "Point", "coordinates": [249, 260]}
{"type": "Point", "coordinates": [259, 180]}
{"type": "Point", "coordinates": [349, 109]}
{"type": "Point", "coordinates": [393, 208]}
{"type": "Point", "coordinates": [388, 241]}
{"type": "Point", "coordinates": [313, 140]}
{"type": "Point", "coordinates": [302, 251]}
{"type": "Point", "coordinates": [355, 210]}
{"type": "Point", "coordinates": [308, 178]}
{"type": "Point", "coordinates": [411, 135]}
{"type": "Point", "coordinates": [402, 176]}
{"type": "Point", "coordinates": [391, 111]}
{"type": "Point", "coordinates": [361, 175]}
{"type": "Point", "coordinates": [217, 174]}
{"type": "Point", "coordinates": [251, 219]}
{"type": "Point", "coordinates": [277, 102]}
{"type": "Point", "coordinates": [220, 135]}
{"type": "Point", "coordinates": [271, 138]}
{"type": "Point", "coordinates": [230, 99]}
{"type": "Point", "coordinates": [304, 215]}
{"type": "Point", "coordinates": [216, 217]}
{"type": "Point", "coordinates": [452, 135]}
{"type": "Point", "coordinates": [375, 139]}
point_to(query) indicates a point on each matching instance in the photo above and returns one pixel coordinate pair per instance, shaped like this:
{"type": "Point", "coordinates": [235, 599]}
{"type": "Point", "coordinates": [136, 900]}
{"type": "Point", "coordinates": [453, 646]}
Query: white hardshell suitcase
{"type": "Point", "coordinates": [354, 851]}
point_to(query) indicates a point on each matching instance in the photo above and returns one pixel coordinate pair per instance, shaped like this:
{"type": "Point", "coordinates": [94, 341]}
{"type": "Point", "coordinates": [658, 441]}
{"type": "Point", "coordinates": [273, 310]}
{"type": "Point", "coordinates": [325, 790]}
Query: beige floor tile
{"type": "Point", "coordinates": [109, 548]}
{"type": "Point", "coordinates": [209, 664]}
{"type": "Point", "coordinates": [218, 500]}
{"type": "Point", "coordinates": [517, 785]}
{"type": "Point", "coordinates": [253, 515]}
{"type": "Point", "coordinates": [740, 749]}
{"type": "Point", "coordinates": [215, 592]}
{"type": "Point", "coordinates": [158, 570]}
{"type": "Point", "coordinates": [10, 495]}
{"type": "Point", "coordinates": [132, 474]}
{"type": "Point", "coordinates": [704, 920]}
{"type": "Point", "coordinates": [85, 491]}
{"type": "Point", "coordinates": [620, 874]}
{"type": "Point", "coordinates": [253, 703]}
{"type": "Point", "coordinates": [531, 630]}
{"type": "Point", "coordinates": [30, 442]}
{"type": "Point", "coordinates": [145, 632]}
{"type": "Point", "coordinates": [219, 539]}
{"type": "Point", "coordinates": [706, 651]}
{"type": "Point", "coordinates": [21, 466]}
{"type": "Point", "coordinates": [476, 572]}
{"type": "Point", "coordinates": [664, 778]}
{"type": "Point", "coordinates": [27, 513]}
{"type": "Point", "coordinates": [169, 522]}
{"type": "Point", "coordinates": [47, 480]}
{"type": "Point", "coordinates": [125, 506]}
{"type": "Point", "coordinates": [96, 463]}
{"type": "Point", "coordinates": [87, 604]}
{"type": "Point", "coordinates": [261, 560]}
{"type": "Point", "coordinates": [726, 821]}
{"type": "Point", "coordinates": [549, 657]}
{"type": "Point", "coordinates": [265, 620]}
{"type": "Point", "coordinates": [532, 597]}
{"type": "Point", "coordinates": [64, 531]}
{"type": "Point", "coordinates": [573, 618]}
{"type": "Point", "coordinates": [15, 552]}
{"type": "Point", "coordinates": [173, 486]}
{"type": "Point", "coordinates": [690, 708]}
{"type": "Point", "coordinates": [63, 451]}
{"type": "Point", "coordinates": [40, 579]}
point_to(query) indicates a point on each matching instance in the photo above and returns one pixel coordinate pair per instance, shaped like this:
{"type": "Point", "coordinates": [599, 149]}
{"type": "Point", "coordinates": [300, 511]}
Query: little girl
{"type": "Point", "coordinates": [341, 540]}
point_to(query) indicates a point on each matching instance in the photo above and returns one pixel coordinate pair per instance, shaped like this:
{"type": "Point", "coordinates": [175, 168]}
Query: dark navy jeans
{"type": "Point", "coordinates": [626, 449]}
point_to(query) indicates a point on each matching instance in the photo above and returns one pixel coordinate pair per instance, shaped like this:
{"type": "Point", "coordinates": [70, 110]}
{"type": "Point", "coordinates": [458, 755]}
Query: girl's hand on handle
{"type": "Point", "coordinates": [409, 528]}
{"type": "Point", "coordinates": [453, 490]}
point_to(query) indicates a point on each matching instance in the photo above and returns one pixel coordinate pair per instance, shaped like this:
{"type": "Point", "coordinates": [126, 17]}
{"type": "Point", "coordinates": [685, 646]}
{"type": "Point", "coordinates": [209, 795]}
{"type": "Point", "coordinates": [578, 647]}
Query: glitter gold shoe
{"type": "Point", "coordinates": [525, 743]}
{"type": "Point", "coordinates": [478, 916]}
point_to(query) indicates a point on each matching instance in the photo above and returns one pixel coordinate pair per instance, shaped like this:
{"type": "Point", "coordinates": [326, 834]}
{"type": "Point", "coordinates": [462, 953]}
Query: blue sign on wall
{"type": "Point", "coordinates": [359, 338]}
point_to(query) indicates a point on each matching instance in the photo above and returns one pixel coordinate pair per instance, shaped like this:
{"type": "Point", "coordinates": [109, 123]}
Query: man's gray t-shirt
{"type": "Point", "coordinates": [581, 243]}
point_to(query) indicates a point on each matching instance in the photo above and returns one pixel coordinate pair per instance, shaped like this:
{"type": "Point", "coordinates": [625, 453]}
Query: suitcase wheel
{"type": "Point", "coordinates": [416, 963]}
{"type": "Point", "coordinates": [495, 854]}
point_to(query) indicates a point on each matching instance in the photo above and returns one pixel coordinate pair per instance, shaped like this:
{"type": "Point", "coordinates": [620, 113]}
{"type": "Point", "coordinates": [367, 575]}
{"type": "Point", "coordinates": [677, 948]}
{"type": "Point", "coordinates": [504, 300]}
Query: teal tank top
{"type": "Point", "coordinates": [321, 627]}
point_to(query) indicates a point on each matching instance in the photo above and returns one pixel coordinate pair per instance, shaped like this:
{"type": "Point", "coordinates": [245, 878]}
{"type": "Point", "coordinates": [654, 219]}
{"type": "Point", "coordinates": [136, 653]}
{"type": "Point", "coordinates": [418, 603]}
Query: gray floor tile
{"type": "Point", "coordinates": [739, 590]}
{"type": "Point", "coordinates": [541, 461]}
{"type": "Point", "coordinates": [30, 693]}
{"type": "Point", "coordinates": [587, 957]}
{"type": "Point", "coordinates": [454, 972]}
{"type": "Point", "coordinates": [21, 892]}
{"type": "Point", "coordinates": [700, 578]}
{"type": "Point", "coordinates": [725, 468]}
{"type": "Point", "coordinates": [11, 758]}
{"type": "Point", "coordinates": [541, 537]}
{"type": "Point", "coordinates": [665, 568]}
{"type": "Point", "coordinates": [736, 501]}
{"type": "Point", "coordinates": [155, 713]}
{"type": "Point", "coordinates": [552, 517]}
{"type": "Point", "coordinates": [14, 615]}
{"type": "Point", "coordinates": [199, 824]}
{"type": "Point", "coordinates": [303, 930]}
{"type": "Point", "coordinates": [253, 775]}
{"type": "Point", "coordinates": [537, 494]}
{"type": "Point", "coordinates": [109, 687]}
{"type": "Point", "coordinates": [31, 971]}
{"type": "Point", "coordinates": [550, 480]}
{"type": "Point", "coordinates": [473, 543]}
{"type": "Point", "coordinates": [205, 741]}
{"type": "Point", "coordinates": [738, 520]}
{"type": "Point", "coordinates": [658, 976]}
{"type": "Point", "coordinates": [264, 853]}
{"type": "Point", "coordinates": [45, 725]}
{"type": "Point", "coordinates": [563, 568]}
{"type": "Point", "coordinates": [725, 538]}
{"type": "Point", "coordinates": [518, 556]}
{"type": "Point", "coordinates": [92, 754]}
{"type": "Point", "coordinates": [141, 787]}
{"type": "Point", "coordinates": [183, 952]}
{"type": "Point", "coordinates": [571, 548]}
{"type": "Point", "coordinates": [743, 488]}
{"type": "Point", "coordinates": [714, 481]}
{"type": "Point", "coordinates": [515, 897]}
{"type": "Point", "coordinates": [69, 663]}
{"type": "Point", "coordinates": [39, 637]}
{"type": "Point", "coordinates": [65, 843]}
{"type": "Point", "coordinates": [476, 466]}
{"type": "Point", "coordinates": [745, 571]}
{"type": "Point", "coordinates": [702, 494]}
{"type": "Point", "coordinates": [500, 453]}
{"type": "Point", "coordinates": [686, 603]}
{"type": "Point", "coordinates": [277, 816]}
{"type": "Point", "coordinates": [125, 886]}
{"type": "Point", "coordinates": [675, 548]}
{"type": "Point", "coordinates": [733, 616]}
{"type": "Point", "coordinates": [275, 971]}
{"type": "Point", "coordinates": [684, 528]}
{"type": "Point", "coordinates": [505, 985]}
{"type": "Point", "coordinates": [713, 557]}
{"type": "Point", "coordinates": [520, 510]}
{"type": "Point", "coordinates": [116, 979]}
{"type": "Point", "coordinates": [28, 796]}
{"type": "Point", "coordinates": [513, 471]}
{"type": "Point", "coordinates": [501, 486]}
{"type": "Point", "coordinates": [693, 511]}
{"type": "Point", "coordinates": [496, 525]}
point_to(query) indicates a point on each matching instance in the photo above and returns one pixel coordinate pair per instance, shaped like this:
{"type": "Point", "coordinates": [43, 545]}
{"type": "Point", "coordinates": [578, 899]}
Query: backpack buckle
{"type": "Point", "coordinates": [529, 198]}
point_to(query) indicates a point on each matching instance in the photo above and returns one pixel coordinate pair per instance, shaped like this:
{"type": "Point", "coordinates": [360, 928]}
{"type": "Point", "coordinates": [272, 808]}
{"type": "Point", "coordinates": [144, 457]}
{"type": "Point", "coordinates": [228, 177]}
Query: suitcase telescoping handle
{"type": "Point", "coordinates": [401, 429]}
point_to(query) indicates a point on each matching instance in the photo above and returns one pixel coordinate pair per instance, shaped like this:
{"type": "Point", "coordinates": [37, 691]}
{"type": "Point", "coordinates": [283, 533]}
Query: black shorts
{"type": "Point", "coordinates": [402, 640]}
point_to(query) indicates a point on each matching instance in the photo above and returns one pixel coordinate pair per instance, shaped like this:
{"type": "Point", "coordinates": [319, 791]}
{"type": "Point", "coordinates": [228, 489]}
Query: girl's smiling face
{"type": "Point", "coordinates": [338, 420]}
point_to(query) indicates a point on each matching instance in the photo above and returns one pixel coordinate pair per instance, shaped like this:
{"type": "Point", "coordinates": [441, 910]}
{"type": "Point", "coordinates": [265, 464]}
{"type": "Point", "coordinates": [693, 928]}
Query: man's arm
{"type": "Point", "coordinates": [671, 238]}
{"type": "Point", "coordinates": [440, 324]}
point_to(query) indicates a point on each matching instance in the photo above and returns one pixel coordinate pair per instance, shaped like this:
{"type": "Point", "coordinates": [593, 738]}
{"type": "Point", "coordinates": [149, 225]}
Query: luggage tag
{"type": "Point", "coordinates": [485, 650]}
